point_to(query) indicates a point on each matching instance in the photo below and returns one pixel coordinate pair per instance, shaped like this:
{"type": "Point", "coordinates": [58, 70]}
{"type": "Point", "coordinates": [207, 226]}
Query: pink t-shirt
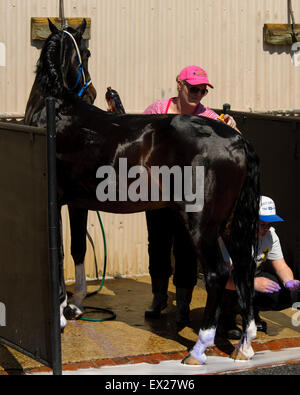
{"type": "Point", "coordinates": [162, 107]}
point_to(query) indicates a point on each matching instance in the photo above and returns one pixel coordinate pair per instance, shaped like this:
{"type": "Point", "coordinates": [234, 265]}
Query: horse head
{"type": "Point", "coordinates": [63, 64]}
{"type": "Point", "coordinates": [62, 68]}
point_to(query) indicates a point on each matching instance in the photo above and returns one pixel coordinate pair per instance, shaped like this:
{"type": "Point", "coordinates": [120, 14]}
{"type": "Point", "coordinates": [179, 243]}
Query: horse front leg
{"type": "Point", "coordinates": [78, 224]}
{"type": "Point", "coordinates": [62, 285]}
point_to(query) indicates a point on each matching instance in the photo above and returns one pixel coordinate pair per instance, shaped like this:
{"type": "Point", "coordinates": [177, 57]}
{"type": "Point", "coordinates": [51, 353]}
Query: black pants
{"type": "Point", "coordinates": [278, 300]}
{"type": "Point", "coordinates": [165, 231]}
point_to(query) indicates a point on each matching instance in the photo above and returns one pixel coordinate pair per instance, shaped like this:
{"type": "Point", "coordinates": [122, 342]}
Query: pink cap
{"type": "Point", "coordinates": [194, 75]}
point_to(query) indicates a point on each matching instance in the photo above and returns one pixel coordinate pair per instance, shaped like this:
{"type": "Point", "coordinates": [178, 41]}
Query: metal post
{"type": "Point", "coordinates": [53, 237]}
{"type": "Point", "coordinates": [64, 21]}
{"type": "Point", "coordinates": [292, 17]}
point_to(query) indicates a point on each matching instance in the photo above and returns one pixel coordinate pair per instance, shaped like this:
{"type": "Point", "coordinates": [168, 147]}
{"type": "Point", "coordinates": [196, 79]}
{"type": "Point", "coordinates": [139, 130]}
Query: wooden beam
{"type": "Point", "coordinates": [40, 28]}
{"type": "Point", "coordinates": [280, 34]}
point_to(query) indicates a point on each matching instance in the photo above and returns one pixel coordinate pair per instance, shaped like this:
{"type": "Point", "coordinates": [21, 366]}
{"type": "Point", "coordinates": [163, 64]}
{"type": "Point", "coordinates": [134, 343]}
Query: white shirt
{"type": "Point", "coordinates": [268, 248]}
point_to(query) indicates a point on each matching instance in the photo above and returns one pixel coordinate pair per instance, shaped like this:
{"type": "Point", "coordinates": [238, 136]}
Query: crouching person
{"type": "Point", "coordinates": [274, 284]}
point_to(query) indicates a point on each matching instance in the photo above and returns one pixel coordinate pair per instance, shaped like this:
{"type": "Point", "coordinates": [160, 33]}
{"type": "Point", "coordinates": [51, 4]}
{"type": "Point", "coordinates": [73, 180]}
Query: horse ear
{"type": "Point", "coordinates": [52, 27]}
{"type": "Point", "coordinates": [82, 27]}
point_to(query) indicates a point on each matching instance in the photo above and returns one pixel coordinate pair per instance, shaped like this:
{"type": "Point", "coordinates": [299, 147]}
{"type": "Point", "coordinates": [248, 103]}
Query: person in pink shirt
{"type": "Point", "coordinates": [164, 229]}
{"type": "Point", "coordinates": [192, 83]}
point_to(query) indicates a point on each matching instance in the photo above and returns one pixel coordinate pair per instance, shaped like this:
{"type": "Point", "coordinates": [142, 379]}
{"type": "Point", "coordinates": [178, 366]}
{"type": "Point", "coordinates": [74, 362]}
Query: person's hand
{"type": "Point", "coordinates": [229, 120]}
{"type": "Point", "coordinates": [292, 285]}
{"type": "Point", "coordinates": [265, 285]}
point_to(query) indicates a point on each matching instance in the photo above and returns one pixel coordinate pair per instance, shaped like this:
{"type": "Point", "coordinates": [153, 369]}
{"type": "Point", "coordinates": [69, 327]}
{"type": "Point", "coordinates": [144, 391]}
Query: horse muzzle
{"type": "Point", "coordinates": [90, 94]}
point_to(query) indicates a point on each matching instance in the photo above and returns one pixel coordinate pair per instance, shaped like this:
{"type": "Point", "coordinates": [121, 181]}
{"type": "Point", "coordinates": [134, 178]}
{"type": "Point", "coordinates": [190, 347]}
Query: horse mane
{"type": "Point", "coordinates": [48, 73]}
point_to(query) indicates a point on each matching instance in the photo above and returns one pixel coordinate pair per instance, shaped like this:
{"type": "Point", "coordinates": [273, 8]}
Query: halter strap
{"type": "Point", "coordinates": [80, 70]}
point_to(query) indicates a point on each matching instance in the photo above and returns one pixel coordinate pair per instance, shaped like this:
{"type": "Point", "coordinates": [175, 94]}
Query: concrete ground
{"type": "Point", "coordinates": [129, 338]}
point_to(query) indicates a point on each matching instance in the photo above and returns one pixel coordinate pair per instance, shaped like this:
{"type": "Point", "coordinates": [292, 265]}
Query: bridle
{"type": "Point", "coordinates": [80, 70]}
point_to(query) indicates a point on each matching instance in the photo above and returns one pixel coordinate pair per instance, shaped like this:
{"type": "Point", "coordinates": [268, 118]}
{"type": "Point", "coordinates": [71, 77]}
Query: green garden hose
{"type": "Point", "coordinates": [98, 309]}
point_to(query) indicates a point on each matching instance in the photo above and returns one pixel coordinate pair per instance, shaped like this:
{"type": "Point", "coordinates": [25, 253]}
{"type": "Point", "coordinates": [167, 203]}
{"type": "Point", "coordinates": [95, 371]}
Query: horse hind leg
{"type": "Point", "coordinates": [216, 276]}
{"type": "Point", "coordinates": [78, 224]}
{"type": "Point", "coordinates": [244, 282]}
{"type": "Point", "coordinates": [244, 350]}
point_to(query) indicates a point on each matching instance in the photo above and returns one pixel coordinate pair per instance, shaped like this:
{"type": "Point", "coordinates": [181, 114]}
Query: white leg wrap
{"type": "Point", "coordinates": [80, 286]}
{"type": "Point", "coordinates": [206, 338]}
{"type": "Point", "coordinates": [245, 344]}
{"type": "Point", "coordinates": [63, 321]}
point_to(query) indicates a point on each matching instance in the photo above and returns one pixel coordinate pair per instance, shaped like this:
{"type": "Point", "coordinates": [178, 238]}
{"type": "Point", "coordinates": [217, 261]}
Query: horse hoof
{"type": "Point", "coordinates": [72, 312]}
{"type": "Point", "coordinates": [238, 355]}
{"type": "Point", "coordinates": [191, 360]}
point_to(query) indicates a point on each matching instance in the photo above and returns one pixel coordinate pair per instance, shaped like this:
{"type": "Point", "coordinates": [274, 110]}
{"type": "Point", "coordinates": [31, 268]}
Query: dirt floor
{"type": "Point", "coordinates": [131, 335]}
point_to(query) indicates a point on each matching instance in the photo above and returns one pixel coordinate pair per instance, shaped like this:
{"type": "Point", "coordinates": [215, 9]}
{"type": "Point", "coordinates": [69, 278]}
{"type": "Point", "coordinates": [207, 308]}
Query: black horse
{"type": "Point", "coordinates": [109, 162]}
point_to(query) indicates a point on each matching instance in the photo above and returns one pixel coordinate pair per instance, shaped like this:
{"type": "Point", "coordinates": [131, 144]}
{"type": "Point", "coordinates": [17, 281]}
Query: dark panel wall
{"type": "Point", "coordinates": [24, 248]}
{"type": "Point", "coordinates": [277, 142]}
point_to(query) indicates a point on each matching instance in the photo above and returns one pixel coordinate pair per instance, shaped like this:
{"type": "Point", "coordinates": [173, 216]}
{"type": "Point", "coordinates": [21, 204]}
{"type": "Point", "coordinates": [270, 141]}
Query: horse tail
{"type": "Point", "coordinates": [243, 238]}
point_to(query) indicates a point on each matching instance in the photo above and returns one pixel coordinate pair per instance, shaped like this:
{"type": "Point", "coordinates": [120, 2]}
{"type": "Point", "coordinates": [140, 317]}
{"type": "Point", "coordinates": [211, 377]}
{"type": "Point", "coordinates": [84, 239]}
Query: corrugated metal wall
{"type": "Point", "coordinates": [126, 239]}
{"type": "Point", "coordinates": [138, 47]}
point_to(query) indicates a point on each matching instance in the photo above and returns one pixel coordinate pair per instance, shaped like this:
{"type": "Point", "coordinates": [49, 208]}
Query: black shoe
{"type": "Point", "coordinates": [159, 303]}
{"type": "Point", "coordinates": [227, 327]}
{"type": "Point", "coordinates": [160, 297]}
{"type": "Point", "coordinates": [232, 334]}
{"type": "Point", "coordinates": [182, 322]}
{"type": "Point", "coordinates": [261, 325]}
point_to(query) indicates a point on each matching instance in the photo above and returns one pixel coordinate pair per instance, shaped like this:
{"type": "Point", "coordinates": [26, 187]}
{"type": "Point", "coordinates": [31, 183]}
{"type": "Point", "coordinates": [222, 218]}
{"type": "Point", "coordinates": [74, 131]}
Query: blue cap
{"type": "Point", "coordinates": [267, 210]}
